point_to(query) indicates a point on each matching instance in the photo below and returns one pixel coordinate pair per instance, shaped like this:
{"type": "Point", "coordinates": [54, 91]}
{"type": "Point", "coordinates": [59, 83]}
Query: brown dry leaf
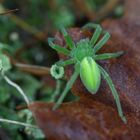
{"type": "Point", "coordinates": [95, 117]}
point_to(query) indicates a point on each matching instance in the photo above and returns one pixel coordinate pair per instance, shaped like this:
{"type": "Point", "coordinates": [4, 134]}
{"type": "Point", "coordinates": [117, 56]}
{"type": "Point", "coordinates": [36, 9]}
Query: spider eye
{"type": "Point", "coordinates": [90, 74]}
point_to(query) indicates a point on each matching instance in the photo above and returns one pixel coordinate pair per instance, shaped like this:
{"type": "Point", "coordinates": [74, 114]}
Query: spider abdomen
{"type": "Point", "coordinates": [90, 74]}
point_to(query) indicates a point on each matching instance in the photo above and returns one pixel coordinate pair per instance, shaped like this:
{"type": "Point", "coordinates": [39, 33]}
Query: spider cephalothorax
{"type": "Point", "coordinates": [83, 55]}
{"type": "Point", "coordinates": [82, 49]}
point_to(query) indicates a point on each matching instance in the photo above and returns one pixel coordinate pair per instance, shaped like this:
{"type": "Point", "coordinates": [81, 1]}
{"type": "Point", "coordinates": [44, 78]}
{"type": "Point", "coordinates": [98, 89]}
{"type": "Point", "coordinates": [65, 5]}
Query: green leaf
{"type": "Point", "coordinates": [5, 64]}
{"type": "Point", "coordinates": [4, 96]}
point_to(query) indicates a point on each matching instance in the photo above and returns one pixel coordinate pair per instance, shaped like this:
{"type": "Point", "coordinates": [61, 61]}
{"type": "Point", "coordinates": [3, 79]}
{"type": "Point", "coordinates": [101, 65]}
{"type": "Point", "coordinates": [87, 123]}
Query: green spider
{"type": "Point", "coordinates": [83, 56]}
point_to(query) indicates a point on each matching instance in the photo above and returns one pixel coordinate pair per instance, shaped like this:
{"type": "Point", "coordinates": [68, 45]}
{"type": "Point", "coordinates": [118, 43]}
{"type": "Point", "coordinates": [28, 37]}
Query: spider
{"type": "Point", "coordinates": [83, 56]}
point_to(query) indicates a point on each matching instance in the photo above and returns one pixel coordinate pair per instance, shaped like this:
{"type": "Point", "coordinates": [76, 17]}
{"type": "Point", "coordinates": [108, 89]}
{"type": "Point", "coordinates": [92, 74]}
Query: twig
{"type": "Point", "coordinates": [106, 9]}
{"type": "Point", "coordinates": [83, 7]}
{"type": "Point", "coordinates": [96, 15]}
{"type": "Point", "coordinates": [38, 34]}
{"type": "Point", "coordinates": [25, 26]}
{"type": "Point", "coordinates": [34, 69]}
{"type": "Point", "coordinates": [9, 11]}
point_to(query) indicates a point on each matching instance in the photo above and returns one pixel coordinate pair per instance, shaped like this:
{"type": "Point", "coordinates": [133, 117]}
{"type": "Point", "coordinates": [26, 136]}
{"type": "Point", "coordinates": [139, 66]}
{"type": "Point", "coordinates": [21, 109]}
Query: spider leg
{"type": "Point", "coordinates": [68, 87]}
{"type": "Point", "coordinates": [98, 31]}
{"type": "Point", "coordinates": [57, 47]}
{"type": "Point", "coordinates": [66, 62]}
{"type": "Point", "coordinates": [100, 44]}
{"type": "Point", "coordinates": [114, 93]}
{"type": "Point", "coordinates": [108, 55]}
{"type": "Point", "coordinates": [68, 38]}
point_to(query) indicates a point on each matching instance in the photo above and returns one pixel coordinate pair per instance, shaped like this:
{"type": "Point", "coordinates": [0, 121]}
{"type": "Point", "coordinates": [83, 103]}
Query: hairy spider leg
{"type": "Point", "coordinates": [114, 93]}
{"type": "Point", "coordinates": [68, 38]}
{"type": "Point", "coordinates": [66, 62]}
{"type": "Point", "coordinates": [97, 33]}
{"type": "Point", "coordinates": [108, 55]}
{"type": "Point", "coordinates": [57, 47]}
{"type": "Point", "coordinates": [100, 44]}
{"type": "Point", "coordinates": [68, 86]}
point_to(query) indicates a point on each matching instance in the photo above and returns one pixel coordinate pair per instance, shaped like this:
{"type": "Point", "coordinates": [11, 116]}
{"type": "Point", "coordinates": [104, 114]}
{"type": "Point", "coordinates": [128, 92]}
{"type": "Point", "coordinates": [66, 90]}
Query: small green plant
{"type": "Point", "coordinates": [5, 66]}
{"type": "Point", "coordinates": [83, 56]}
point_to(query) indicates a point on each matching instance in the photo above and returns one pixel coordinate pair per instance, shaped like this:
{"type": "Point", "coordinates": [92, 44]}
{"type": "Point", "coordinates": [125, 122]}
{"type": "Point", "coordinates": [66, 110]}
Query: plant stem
{"type": "Point", "coordinates": [17, 87]}
{"type": "Point", "coordinates": [57, 90]}
{"type": "Point", "coordinates": [18, 123]}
